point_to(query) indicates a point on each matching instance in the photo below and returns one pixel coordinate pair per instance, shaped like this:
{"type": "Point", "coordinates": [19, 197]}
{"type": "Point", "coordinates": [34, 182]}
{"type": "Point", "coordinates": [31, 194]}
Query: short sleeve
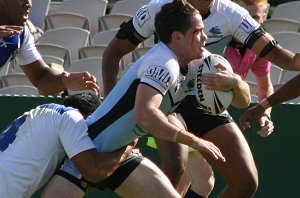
{"type": "Point", "coordinates": [27, 53]}
{"type": "Point", "coordinates": [143, 20]}
{"type": "Point", "coordinates": [73, 133]}
{"type": "Point", "coordinates": [159, 74]}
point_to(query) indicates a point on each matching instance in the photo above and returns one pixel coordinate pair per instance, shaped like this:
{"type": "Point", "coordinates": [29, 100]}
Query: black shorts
{"type": "Point", "coordinates": [197, 120]}
{"type": "Point", "coordinates": [113, 181]}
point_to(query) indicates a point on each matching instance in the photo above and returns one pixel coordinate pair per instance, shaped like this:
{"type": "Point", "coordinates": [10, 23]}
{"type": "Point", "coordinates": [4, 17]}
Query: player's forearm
{"type": "Point", "coordinates": [288, 91]}
{"type": "Point", "coordinates": [110, 70]}
{"type": "Point", "coordinates": [50, 82]}
{"type": "Point", "coordinates": [264, 92]}
{"type": "Point", "coordinates": [242, 97]}
{"type": "Point", "coordinates": [284, 58]}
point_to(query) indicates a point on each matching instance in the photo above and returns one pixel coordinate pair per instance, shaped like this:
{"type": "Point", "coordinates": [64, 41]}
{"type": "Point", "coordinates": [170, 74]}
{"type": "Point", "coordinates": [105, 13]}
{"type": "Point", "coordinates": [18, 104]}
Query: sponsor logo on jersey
{"type": "Point", "coordinates": [215, 32]}
{"type": "Point", "coordinates": [159, 75]}
{"type": "Point", "coordinates": [142, 16]}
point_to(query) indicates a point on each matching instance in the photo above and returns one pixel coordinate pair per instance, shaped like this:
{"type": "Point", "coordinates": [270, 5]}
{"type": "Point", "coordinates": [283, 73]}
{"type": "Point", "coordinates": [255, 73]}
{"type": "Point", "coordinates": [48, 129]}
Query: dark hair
{"type": "Point", "coordinates": [86, 103]}
{"type": "Point", "coordinates": [175, 16]}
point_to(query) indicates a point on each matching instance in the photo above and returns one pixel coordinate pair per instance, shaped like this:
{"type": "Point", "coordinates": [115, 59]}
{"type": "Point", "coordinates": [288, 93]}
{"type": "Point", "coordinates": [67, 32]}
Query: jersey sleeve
{"type": "Point", "coordinates": [158, 73]}
{"type": "Point", "coordinates": [143, 20]}
{"type": "Point", "coordinates": [73, 134]}
{"type": "Point", "coordinates": [242, 24]}
{"type": "Point", "coordinates": [27, 53]}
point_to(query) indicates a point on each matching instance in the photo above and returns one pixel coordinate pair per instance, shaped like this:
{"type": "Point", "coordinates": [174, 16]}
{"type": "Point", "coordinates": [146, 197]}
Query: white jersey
{"type": "Point", "coordinates": [112, 125]}
{"type": "Point", "coordinates": [34, 145]}
{"type": "Point", "coordinates": [159, 69]}
{"type": "Point", "coordinates": [226, 19]}
{"type": "Point", "coordinates": [18, 48]}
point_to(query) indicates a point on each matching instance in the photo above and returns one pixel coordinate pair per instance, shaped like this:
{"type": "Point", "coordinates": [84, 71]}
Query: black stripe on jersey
{"type": "Point", "coordinates": [124, 105]}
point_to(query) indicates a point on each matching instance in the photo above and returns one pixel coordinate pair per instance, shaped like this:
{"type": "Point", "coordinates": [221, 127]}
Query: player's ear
{"type": "Point", "coordinates": [177, 36]}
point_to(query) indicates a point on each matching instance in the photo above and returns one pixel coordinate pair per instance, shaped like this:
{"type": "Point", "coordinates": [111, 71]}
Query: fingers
{"type": "Point", "coordinates": [267, 129]}
{"type": "Point", "coordinates": [6, 30]}
{"type": "Point", "coordinates": [210, 148]}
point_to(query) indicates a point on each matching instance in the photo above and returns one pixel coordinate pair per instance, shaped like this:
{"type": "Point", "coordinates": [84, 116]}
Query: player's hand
{"type": "Point", "coordinates": [7, 30]}
{"type": "Point", "coordinates": [251, 115]}
{"type": "Point", "coordinates": [222, 80]}
{"type": "Point", "coordinates": [80, 81]}
{"type": "Point", "coordinates": [208, 147]}
{"type": "Point", "coordinates": [267, 126]}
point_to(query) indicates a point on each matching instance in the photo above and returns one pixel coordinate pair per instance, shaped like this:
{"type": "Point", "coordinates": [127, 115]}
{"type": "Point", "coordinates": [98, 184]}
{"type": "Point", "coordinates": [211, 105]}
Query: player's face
{"type": "Point", "coordinates": [201, 5]}
{"type": "Point", "coordinates": [195, 38]}
{"type": "Point", "coordinates": [14, 12]}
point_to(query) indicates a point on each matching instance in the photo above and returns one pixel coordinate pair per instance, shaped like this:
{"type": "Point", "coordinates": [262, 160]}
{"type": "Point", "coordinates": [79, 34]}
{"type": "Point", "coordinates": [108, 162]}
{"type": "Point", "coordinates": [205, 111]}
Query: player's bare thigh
{"type": "Point", "coordinates": [233, 145]}
{"type": "Point", "coordinates": [60, 187]}
{"type": "Point", "coordinates": [147, 181]}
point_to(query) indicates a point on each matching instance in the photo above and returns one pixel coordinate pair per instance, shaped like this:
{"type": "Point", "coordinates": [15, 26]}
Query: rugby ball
{"type": "Point", "coordinates": [213, 101]}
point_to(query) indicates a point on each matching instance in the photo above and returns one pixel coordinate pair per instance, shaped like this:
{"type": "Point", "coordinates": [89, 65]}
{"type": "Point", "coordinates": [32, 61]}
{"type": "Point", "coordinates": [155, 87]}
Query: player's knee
{"type": "Point", "coordinates": [247, 187]}
{"type": "Point", "coordinates": [176, 168]}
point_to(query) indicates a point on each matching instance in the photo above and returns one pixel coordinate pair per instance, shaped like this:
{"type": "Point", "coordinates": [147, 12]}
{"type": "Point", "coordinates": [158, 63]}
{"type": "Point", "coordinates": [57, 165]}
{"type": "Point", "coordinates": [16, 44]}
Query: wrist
{"type": "Point", "coordinates": [267, 116]}
{"type": "Point", "coordinates": [265, 103]}
{"type": "Point", "coordinates": [64, 77]}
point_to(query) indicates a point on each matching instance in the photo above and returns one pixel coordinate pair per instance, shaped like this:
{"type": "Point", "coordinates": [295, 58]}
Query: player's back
{"type": "Point", "coordinates": [30, 150]}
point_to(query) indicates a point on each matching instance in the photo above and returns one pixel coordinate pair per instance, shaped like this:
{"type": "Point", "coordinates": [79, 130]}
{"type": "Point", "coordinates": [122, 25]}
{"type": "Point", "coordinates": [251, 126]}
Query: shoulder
{"type": "Point", "coordinates": [227, 6]}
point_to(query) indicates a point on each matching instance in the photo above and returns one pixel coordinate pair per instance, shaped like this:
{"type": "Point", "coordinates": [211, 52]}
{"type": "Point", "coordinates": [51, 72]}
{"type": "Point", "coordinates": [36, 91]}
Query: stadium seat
{"type": "Point", "coordinates": [55, 50]}
{"type": "Point", "coordinates": [20, 90]}
{"type": "Point", "coordinates": [93, 65]}
{"type": "Point", "coordinates": [288, 40]}
{"type": "Point", "coordinates": [66, 19]}
{"type": "Point", "coordinates": [38, 12]}
{"type": "Point", "coordinates": [281, 25]}
{"type": "Point", "coordinates": [127, 6]}
{"type": "Point", "coordinates": [92, 51]}
{"type": "Point", "coordinates": [112, 21]}
{"type": "Point", "coordinates": [289, 10]}
{"type": "Point", "coordinates": [13, 79]}
{"type": "Point", "coordinates": [104, 37]}
{"type": "Point", "coordinates": [71, 38]}
{"type": "Point", "coordinates": [92, 9]}
{"type": "Point", "coordinates": [140, 51]}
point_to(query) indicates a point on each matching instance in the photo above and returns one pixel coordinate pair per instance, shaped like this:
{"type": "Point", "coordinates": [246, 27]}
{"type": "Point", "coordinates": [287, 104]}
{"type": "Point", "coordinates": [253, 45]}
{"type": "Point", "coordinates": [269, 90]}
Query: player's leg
{"type": "Point", "coordinates": [239, 170]}
{"type": "Point", "coordinates": [61, 187]}
{"type": "Point", "coordinates": [147, 181]}
{"type": "Point", "coordinates": [201, 174]}
{"type": "Point", "coordinates": [173, 158]}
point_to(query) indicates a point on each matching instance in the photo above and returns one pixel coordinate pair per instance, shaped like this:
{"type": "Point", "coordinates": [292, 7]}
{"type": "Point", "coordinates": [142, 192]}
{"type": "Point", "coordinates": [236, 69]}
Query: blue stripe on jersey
{"type": "Point", "coordinates": [9, 135]}
{"type": "Point", "coordinates": [123, 106]}
{"type": "Point", "coordinates": [56, 107]}
{"type": "Point", "coordinates": [9, 46]}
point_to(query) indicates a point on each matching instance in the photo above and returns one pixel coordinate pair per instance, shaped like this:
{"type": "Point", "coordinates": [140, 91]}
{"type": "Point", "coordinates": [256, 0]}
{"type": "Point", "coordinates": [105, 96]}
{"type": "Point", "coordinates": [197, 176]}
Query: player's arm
{"type": "Point", "coordinates": [226, 80]}
{"type": "Point", "coordinates": [148, 116]}
{"type": "Point", "coordinates": [126, 40]}
{"type": "Point", "coordinates": [50, 81]}
{"type": "Point", "coordinates": [264, 45]}
{"type": "Point", "coordinates": [96, 166]}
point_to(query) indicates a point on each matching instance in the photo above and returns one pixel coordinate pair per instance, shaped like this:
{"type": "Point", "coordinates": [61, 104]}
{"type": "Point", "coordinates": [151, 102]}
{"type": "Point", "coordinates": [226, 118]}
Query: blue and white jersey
{"type": "Point", "coordinates": [34, 145]}
{"type": "Point", "coordinates": [20, 48]}
{"type": "Point", "coordinates": [112, 125]}
{"type": "Point", "coordinates": [226, 19]}
{"type": "Point", "coordinates": [113, 120]}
